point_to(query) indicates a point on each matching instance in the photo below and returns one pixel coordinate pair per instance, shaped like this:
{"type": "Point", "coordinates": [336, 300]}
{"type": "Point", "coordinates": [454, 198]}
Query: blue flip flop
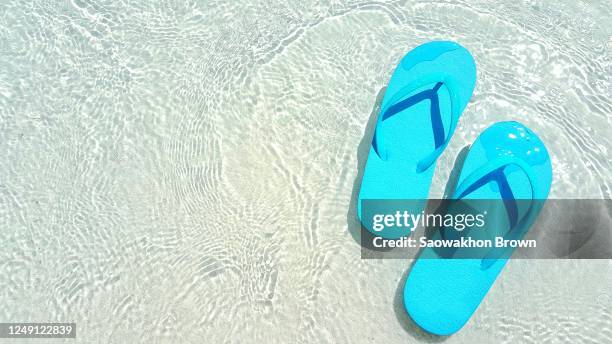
{"type": "Point", "coordinates": [507, 162]}
{"type": "Point", "coordinates": [427, 93]}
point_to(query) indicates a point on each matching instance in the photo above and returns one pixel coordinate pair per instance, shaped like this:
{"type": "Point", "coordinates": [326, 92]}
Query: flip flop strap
{"type": "Point", "coordinates": [493, 170]}
{"type": "Point", "coordinates": [440, 78]}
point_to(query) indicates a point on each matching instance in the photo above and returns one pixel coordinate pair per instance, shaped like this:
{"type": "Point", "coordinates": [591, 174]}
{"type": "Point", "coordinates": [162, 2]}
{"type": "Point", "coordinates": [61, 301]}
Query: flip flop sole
{"type": "Point", "coordinates": [424, 99]}
{"type": "Point", "coordinates": [441, 294]}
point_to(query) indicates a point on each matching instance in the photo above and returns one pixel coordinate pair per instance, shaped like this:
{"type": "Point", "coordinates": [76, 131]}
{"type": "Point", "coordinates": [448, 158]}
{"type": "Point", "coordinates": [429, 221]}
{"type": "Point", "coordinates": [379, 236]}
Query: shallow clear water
{"type": "Point", "coordinates": [187, 173]}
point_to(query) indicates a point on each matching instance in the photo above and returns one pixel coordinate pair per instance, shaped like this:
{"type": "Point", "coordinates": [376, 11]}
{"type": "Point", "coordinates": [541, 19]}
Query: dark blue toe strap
{"type": "Point", "coordinates": [399, 103]}
{"type": "Point", "coordinates": [493, 170]}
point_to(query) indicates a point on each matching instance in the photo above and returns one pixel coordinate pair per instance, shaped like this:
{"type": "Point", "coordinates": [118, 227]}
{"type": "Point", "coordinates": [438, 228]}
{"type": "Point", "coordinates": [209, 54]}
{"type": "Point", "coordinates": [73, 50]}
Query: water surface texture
{"type": "Point", "coordinates": [187, 172]}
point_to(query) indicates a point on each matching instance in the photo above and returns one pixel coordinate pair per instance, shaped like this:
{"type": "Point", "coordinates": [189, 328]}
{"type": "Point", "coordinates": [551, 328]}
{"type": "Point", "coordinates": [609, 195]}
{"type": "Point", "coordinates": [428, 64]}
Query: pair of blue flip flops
{"type": "Point", "coordinates": [426, 95]}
